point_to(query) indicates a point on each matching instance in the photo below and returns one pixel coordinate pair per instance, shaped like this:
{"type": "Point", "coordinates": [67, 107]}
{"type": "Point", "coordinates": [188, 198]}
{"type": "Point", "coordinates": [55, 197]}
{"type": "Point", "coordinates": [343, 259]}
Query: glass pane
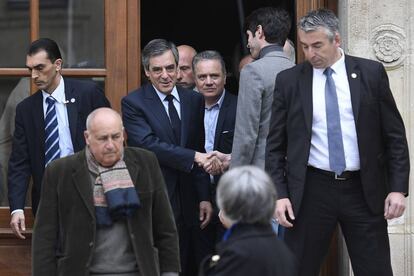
{"type": "Point", "coordinates": [78, 27]}
{"type": "Point", "coordinates": [15, 34]}
{"type": "Point", "coordinates": [12, 91]}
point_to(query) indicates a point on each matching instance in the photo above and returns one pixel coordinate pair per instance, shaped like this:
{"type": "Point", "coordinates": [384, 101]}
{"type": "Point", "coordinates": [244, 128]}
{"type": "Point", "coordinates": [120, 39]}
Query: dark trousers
{"type": "Point", "coordinates": [195, 244]}
{"type": "Point", "coordinates": [325, 203]}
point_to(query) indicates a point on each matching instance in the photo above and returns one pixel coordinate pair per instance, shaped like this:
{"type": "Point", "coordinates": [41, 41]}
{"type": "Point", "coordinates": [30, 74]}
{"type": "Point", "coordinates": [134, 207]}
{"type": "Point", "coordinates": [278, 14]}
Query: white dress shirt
{"type": "Point", "coordinates": [65, 139]}
{"type": "Point", "coordinates": [319, 153]}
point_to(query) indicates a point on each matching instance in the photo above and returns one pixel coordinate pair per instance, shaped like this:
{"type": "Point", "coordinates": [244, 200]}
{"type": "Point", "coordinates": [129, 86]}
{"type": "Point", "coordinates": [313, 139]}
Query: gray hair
{"type": "Point", "coordinates": [321, 18]}
{"type": "Point", "coordinates": [209, 55]}
{"type": "Point", "coordinates": [246, 194]}
{"type": "Point", "coordinates": [157, 47]}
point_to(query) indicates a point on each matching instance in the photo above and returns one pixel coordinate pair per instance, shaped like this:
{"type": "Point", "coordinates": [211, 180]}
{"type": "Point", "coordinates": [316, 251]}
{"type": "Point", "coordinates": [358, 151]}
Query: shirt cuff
{"type": "Point", "coordinates": [169, 274]}
{"type": "Point", "coordinates": [17, 210]}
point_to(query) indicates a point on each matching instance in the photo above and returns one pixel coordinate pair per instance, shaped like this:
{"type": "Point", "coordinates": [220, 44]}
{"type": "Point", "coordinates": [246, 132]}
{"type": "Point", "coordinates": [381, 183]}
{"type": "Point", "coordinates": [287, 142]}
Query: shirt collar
{"type": "Point", "coordinates": [340, 63]}
{"type": "Point", "coordinates": [270, 48]}
{"type": "Point", "coordinates": [219, 102]}
{"type": "Point", "coordinates": [162, 96]}
{"type": "Point", "coordinates": [58, 94]}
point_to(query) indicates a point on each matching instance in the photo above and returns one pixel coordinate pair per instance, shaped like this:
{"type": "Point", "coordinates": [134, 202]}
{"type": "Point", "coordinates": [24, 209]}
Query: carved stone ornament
{"type": "Point", "coordinates": [388, 43]}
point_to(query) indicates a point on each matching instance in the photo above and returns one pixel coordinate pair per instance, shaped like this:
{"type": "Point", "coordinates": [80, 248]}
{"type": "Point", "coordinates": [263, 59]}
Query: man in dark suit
{"type": "Point", "coordinates": [168, 120]}
{"type": "Point", "coordinates": [72, 102]}
{"type": "Point", "coordinates": [112, 215]}
{"type": "Point", "coordinates": [219, 116]}
{"type": "Point", "coordinates": [337, 152]}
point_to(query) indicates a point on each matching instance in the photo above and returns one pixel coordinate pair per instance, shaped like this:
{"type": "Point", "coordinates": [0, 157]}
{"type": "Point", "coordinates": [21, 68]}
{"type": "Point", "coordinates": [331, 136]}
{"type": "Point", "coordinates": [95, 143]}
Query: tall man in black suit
{"type": "Point", "coordinates": [337, 152]}
{"type": "Point", "coordinates": [73, 100]}
{"type": "Point", "coordinates": [219, 116]}
{"type": "Point", "coordinates": [168, 120]}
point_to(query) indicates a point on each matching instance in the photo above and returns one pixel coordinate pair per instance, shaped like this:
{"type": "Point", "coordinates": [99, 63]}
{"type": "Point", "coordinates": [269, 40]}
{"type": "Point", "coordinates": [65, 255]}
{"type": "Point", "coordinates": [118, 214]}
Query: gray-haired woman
{"type": "Point", "coordinates": [246, 197]}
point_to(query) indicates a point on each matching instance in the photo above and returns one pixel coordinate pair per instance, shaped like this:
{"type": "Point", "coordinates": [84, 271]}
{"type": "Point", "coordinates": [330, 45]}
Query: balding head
{"type": "Point", "coordinates": [104, 136]}
{"type": "Point", "coordinates": [185, 76]}
{"type": "Point", "coordinates": [289, 50]}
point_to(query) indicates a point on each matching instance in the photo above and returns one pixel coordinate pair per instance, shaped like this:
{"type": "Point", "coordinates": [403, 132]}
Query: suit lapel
{"type": "Point", "coordinates": [354, 80]}
{"type": "Point", "coordinates": [305, 88]}
{"type": "Point", "coordinates": [185, 104]}
{"type": "Point", "coordinates": [132, 166]}
{"type": "Point", "coordinates": [39, 123]}
{"type": "Point", "coordinates": [158, 110]}
{"type": "Point", "coordinates": [72, 108]}
{"type": "Point", "coordinates": [82, 181]}
{"type": "Point", "coordinates": [221, 118]}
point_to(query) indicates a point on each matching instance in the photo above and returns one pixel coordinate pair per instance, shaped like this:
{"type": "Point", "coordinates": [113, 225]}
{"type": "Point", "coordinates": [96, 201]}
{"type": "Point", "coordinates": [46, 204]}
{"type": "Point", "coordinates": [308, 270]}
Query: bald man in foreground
{"type": "Point", "coordinates": [105, 210]}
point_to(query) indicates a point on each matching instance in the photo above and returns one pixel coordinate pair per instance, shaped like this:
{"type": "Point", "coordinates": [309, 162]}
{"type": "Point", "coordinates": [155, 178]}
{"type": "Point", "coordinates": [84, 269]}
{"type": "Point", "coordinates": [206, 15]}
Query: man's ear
{"type": "Point", "coordinates": [58, 64]}
{"type": "Point", "coordinates": [259, 31]}
{"type": "Point", "coordinates": [337, 39]}
{"type": "Point", "coordinates": [86, 135]}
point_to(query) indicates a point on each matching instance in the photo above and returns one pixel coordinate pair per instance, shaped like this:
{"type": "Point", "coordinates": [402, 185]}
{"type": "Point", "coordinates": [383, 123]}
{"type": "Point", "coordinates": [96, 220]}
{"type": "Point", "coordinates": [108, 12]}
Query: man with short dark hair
{"type": "Point", "coordinates": [267, 29]}
{"type": "Point", "coordinates": [105, 210]}
{"type": "Point", "coordinates": [219, 114]}
{"type": "Point", "coordinates": [337, 152]}
{"type": "Point", "coordinates": [49, 124]}
{"type": "Point", "coordinates": [168, 120]}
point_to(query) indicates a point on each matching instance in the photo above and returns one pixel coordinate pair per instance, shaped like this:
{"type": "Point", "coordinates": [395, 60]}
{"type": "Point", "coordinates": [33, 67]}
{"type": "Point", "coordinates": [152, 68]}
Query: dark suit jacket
{"type": "Point", "coordinates": [251, 250]}
{"type": "Point", "coordinates": [148, 126]}
{"type": "Point", "coordinates": [28, 154]}
{"type": "Point", "coordinates": [383, 151]}
{"type": "Point", "coordinates": [223, 138]}
{"type": "Point", "coordinates": [64, 231]}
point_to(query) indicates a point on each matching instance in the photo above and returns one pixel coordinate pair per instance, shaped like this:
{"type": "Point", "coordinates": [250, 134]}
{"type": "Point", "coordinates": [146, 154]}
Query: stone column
{"type": "Point", "coordinates": [383, 30]}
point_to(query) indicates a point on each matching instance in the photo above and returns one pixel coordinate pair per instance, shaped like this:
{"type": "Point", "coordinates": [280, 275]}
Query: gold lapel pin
{"type": "Point", "coordinates": [353, 75]}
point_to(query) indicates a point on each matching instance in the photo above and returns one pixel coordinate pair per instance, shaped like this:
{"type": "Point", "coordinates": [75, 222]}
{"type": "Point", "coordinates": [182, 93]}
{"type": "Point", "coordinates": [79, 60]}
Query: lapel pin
{"type": "Point", "coordinates": [73, 99]}
{"type": "Point", "coordinates": [353, 75]}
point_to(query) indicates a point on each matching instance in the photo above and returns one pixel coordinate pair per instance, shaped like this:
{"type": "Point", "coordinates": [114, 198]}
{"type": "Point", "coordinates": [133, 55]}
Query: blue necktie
{"type": "Point", "coordinates": [333, 122]}
{"type": "Point", "coordinates": [174, 119]}
{"type": "Point", "coordinates": [52, 150]}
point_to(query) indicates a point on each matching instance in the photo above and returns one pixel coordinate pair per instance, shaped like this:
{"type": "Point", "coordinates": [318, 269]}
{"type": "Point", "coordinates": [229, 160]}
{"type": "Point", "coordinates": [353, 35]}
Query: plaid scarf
{"type": "Point", "coordinates": [114, 194]}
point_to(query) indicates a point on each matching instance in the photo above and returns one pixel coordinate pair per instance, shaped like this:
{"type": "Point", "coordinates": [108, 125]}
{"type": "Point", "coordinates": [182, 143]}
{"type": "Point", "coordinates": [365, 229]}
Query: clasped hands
{"type": "Point", "coordinates": [214, 162]}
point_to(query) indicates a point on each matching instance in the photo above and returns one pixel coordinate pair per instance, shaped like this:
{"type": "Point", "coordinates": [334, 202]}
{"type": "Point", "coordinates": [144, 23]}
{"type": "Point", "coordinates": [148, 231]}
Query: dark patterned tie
{"type": "Point", "coordinates": [333, 122]}
{"type": "Point", "coordinates": [52, 150]}
{"type": "Point", "coordinates": [174, 119]}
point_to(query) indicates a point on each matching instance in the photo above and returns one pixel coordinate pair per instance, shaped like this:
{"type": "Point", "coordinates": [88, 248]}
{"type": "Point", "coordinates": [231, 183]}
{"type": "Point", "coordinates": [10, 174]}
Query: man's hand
{"type": "Point", "coordinates": [224, 159]}
{"type": "Point", "coordinates": [200, 158]}
{"type": "Point", "coordinates": [283, 207]}
{"type": "Point", "coordinates": [206, 211]}
{"type": "Point", "coordinates": [394, 205]}
{"type": "Point", "coordinates": [17, 224]}
{"type": "Point", "coordinates": [213, 165]}
{"type": "Point", "coordinates": [205, 160]}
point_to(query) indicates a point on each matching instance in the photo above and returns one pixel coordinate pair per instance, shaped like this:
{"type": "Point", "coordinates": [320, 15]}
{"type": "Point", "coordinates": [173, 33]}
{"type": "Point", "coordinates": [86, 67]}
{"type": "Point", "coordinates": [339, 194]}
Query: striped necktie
{"type": "Point", "coordinates": [52, 150]}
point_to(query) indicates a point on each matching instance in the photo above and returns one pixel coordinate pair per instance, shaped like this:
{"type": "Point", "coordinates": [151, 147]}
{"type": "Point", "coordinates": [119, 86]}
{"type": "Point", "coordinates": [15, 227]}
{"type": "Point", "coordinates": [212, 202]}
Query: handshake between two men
{"type": "Point", "coordinates": [214, 162]}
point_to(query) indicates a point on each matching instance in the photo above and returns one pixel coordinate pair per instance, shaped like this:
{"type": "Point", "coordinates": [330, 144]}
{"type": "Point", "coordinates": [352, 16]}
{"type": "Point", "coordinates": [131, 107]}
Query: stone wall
{"type": "Point", "coordinates": [383, 30]}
